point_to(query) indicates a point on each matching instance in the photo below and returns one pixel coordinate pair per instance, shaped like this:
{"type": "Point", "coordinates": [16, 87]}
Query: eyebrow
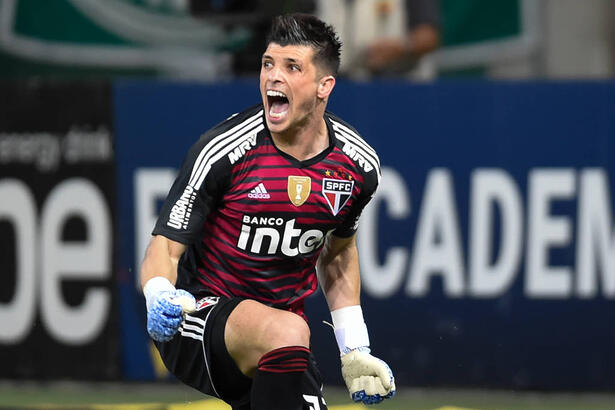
{"type": "Point", "coordinates": [287, 59]}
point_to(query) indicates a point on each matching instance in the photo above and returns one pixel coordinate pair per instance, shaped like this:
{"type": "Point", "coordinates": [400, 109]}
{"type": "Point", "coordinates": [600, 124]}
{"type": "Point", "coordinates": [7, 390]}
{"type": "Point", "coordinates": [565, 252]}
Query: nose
{"type": "Point", "coordinates": [274, 74]}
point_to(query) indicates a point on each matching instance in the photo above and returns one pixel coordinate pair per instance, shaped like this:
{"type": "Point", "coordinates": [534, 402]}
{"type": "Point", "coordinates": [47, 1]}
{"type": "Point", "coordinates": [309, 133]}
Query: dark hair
{"type": "Point", "coordinates": [307, 30]}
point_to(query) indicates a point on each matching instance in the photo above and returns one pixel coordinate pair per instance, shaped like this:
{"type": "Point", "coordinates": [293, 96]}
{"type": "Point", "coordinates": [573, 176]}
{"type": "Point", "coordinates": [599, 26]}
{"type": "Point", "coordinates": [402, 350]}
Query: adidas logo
{"type": "Point", "coordinates": [259, 192]}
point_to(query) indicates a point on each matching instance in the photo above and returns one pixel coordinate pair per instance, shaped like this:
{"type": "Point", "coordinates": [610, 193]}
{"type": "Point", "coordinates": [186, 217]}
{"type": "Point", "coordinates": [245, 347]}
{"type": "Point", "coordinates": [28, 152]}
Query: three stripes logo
{"type": "Point", "coordinates": [231, 144]}
{"type": "Point", "coordinates": [260, 192]}
{"type": "Point", "coordinates": [357, 149]}
{"type": "Point", "coordinates": [235, 141]}
{"type": "Point", "coordinates": [192, 326]}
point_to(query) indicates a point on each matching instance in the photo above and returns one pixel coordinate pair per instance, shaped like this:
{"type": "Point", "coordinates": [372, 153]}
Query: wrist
{"type": "Point", "coordinates": [154, 286]}
{"type": "Point", "coordinates": [350, 329]}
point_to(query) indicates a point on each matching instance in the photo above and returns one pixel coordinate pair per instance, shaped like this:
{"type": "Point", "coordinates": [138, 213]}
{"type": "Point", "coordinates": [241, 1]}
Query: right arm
{"type": "Point", "coordinates": [161, 259]}
{"type": "Point", "coordinates": [164, 303]}
{"type": "Point", "coordinates": [179, 224]}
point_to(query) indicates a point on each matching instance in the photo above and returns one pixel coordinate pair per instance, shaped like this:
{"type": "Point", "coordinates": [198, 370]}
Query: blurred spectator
{"type": "Point", "coordinates": [386, 37]}
{"type": "Point", "coordinates": [254, 15]}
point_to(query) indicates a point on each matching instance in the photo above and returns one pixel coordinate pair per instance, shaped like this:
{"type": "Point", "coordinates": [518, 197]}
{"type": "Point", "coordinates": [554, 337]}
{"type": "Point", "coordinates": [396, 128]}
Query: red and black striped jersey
{"type": "Point", "coordinates": [254, 218]}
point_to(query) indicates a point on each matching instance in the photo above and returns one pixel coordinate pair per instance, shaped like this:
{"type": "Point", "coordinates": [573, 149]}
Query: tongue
{"type": "Point", "coordinates": [279, 107]}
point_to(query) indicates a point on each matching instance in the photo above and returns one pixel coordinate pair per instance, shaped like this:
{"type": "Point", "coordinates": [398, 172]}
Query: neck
{"type": "Point", "coordinates": [304, 142]}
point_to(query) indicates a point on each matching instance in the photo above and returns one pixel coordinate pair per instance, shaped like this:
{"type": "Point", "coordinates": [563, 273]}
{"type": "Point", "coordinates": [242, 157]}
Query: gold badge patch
{"type": "Point", "coordinates": [299, 189]}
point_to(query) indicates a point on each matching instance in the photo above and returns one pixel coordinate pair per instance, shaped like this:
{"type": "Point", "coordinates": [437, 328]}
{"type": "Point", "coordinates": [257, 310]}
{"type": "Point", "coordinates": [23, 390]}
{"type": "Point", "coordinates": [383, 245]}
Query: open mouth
{"type": "Point", "coordinates": [278, 104]}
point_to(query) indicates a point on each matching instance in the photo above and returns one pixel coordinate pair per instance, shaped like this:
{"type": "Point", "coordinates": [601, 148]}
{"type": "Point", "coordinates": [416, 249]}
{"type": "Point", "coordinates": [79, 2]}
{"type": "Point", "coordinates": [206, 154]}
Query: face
{"type": "Point", "coordinates": [289, 84]}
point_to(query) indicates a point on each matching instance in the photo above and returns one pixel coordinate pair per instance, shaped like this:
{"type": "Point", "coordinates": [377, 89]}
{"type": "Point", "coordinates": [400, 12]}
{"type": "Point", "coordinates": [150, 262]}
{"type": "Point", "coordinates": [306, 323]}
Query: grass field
{"type": "Point", "coordinates": [172, 396]}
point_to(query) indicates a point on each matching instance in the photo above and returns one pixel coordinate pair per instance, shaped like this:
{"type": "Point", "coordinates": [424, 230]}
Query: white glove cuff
{"type": "Point", "coordinates": [350, 329]}
{"type": "Point", "coordinates": [154, 286]}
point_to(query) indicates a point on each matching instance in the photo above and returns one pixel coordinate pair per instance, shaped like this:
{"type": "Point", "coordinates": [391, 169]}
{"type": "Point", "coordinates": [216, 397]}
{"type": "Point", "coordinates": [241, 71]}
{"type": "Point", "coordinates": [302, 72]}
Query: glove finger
{"type": "Point", "coordinates": [165, 321]}
{"type": "Point", "coordinates": [374, 386]}
{"type": "Point", "coordinates": [160, 332]}
{"type": "Point", "coordinates": [361, 397]}
{"type": "Point", "coordinates": [393, 388]}
{"type": "Point", "coordinates": [182, 292]}
{"type": "Point", "coordinates": [163, 306]}
{"type": "Point", "coordinates": [172, 322]}
{"type": "Point", "coordinates": [160, 337]}
{"type": "Point", "coordinates": [357, 365]}
{"type": "Point", "coordinates": [357, 396]}
{"type": "Point", "coordinates": [384, 374]}
{"type": "Point", "coordinates": [371, 385]}
{"type": "Point", "coordinates": [391, 393]}
{"type": "Point", "coordinates": [169, 308]}
{"type": "Point", "coordinates": [375, 399]}
{"type": "Point", "coordinates": [184, 299]}
{"type": "Point", "coordinates": [157, 333]}
{"type": "Point", "coordinates": [170, 331]}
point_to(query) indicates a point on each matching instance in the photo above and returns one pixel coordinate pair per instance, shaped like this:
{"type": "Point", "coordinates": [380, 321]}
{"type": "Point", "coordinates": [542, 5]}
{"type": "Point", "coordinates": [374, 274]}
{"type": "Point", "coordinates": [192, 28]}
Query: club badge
{"type": "Point", "coordinates": [336, 192]}
{"type": "Point", "coordinates": [206, 301]}
{"type": "Point", "coordinates": [299, 189]}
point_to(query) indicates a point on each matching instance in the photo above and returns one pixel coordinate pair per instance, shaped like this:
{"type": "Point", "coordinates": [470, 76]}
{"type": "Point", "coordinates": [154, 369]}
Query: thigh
{"type": "Point", "coordinates": [198, 357]}
{"type": "Point", "coordinates": [234, 387]}
{"type": "Point", "coordinates": [254, 329]}
{"type": "Point", "coordinates": [231, 384]}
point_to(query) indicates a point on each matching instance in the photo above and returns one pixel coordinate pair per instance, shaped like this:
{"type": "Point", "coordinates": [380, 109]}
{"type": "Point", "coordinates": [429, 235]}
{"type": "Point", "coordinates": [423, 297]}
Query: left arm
{"type": "Point", "coordinates": [368, 379]}
{"type": "Point", "coordinates": [338, 272]}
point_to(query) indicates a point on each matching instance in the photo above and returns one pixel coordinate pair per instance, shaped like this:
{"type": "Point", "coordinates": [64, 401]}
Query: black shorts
{"type": "Point", "coordinates": [198, 357]}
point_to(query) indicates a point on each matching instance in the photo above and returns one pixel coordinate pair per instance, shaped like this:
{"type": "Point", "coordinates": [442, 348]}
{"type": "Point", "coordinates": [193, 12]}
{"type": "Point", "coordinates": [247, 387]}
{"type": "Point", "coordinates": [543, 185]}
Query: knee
{"type": "Point", "coordinates": [286, 329]}
{"type": "Point", "coordinates": [253, 329]}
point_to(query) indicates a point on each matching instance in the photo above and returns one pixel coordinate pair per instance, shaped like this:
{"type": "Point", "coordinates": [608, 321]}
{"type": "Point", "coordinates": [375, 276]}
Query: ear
{"type": "Point", "coordinates": [325, 86]}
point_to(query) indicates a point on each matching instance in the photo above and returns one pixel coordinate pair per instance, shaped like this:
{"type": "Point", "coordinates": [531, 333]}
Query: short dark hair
{"type": "Point", "coordinates": [308, 30]}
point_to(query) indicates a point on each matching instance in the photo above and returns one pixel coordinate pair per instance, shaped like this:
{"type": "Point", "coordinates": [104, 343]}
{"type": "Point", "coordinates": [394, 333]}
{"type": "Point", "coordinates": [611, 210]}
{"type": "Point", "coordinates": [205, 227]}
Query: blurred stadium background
{"type": "Point", "coordinates": [488, 255]}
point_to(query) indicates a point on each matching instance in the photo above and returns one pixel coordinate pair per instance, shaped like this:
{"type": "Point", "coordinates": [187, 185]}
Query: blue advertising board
{"type": "Point", "coordinates": [488, 254]}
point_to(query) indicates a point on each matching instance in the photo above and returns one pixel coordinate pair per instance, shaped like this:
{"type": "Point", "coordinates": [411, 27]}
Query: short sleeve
{"type": "Point", "coordinates": [191, 198]}
{"type": "Point", "coordinates": [351, 222]}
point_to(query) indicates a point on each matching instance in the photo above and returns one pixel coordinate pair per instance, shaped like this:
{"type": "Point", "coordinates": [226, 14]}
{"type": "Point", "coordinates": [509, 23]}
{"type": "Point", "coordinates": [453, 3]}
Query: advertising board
{"type": "Point", "coordinates": [487, 254]}
{"type": "Point", "coordinates": [58, 316]}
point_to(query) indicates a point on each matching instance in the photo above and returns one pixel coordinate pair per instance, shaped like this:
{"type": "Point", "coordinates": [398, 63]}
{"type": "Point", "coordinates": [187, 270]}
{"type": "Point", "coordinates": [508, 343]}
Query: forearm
{"type": "Point", "coordinates": [339, 275]}
{"type": "Point", "coordinates": [341, 284]}
{"type": "Point", "coordinates": [161, 259]}
{"type": "Point", "coordinates": [368, 379]}
{"type": "Point", "coordinates": [165, 304]}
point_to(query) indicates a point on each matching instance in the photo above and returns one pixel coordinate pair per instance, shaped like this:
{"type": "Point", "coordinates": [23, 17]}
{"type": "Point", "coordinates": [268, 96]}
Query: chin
{"type": "Point", "coordinates": [277, 127]}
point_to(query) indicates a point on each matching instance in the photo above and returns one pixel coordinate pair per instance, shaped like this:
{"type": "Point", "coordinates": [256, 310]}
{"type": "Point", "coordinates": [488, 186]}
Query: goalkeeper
{"type": "Point", "coordinates": [261, 200]}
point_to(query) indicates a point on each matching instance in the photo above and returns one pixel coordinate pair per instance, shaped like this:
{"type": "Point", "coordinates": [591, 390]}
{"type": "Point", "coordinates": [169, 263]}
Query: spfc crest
{"type": "Point", "coordinates": [206, 301]}
{"type": "Point", "coordinates": [336, 192]}
{"type": "Point", "coordinates": [299, 189]}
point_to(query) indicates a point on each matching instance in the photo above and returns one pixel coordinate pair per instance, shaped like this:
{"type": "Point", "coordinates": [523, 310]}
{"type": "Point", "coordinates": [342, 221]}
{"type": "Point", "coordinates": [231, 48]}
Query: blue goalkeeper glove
{"type": "Point", "coordinates": [165, 308]}
{"type": "Point", "coordinates": [369, 379]}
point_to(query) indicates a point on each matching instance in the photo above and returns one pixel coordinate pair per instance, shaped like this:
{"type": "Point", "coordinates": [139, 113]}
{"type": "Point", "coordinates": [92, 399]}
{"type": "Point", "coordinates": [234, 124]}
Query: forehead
{"type": "Point", "coordinates": [294, 52]}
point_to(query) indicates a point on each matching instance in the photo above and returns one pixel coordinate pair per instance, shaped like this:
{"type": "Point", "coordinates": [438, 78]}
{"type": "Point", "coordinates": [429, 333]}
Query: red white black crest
{"type": "Point", "coordinates": [336, 192]}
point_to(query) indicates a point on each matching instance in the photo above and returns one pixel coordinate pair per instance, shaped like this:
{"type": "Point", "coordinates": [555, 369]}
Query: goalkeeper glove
{"type": "Point", "coordinates": [369, 379]}
{"type": "Point", "coordinates": [165, 308]}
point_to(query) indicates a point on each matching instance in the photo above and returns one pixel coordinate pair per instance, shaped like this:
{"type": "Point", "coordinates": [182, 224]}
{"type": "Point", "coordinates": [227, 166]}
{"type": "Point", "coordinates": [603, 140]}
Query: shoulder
{"type": "Point", "coordinates": [236, 125]}
{"type": "Point", "coordinates": [216, 144]}
{"type": "Point", "coordinates": [354, 146]}
{"type": "Point", "coordinates": [222, 138]}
